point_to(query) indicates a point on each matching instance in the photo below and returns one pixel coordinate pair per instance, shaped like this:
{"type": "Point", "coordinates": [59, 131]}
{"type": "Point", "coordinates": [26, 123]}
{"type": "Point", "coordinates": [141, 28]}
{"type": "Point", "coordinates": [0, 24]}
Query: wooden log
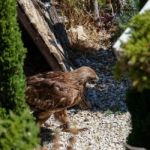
{"type": "Point", "coordinates": [58, 28]}
{"type": "Point", "coordinates": [34, 23]}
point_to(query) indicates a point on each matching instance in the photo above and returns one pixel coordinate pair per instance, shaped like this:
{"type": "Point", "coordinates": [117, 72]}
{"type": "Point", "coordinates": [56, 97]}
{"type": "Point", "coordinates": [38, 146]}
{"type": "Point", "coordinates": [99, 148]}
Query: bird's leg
{"type": "Point", "coordinates": [42, 118]}
{"type": "Point", "coordinates": [62, 116]}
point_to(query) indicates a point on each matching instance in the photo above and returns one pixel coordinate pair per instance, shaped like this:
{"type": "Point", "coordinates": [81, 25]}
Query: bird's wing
{"type": "Point", "coordinates": [67, 94]}
{"type": "Point", "coordinates": [57, 75]}
{"type": "Point", "coordinates": [47, 95]}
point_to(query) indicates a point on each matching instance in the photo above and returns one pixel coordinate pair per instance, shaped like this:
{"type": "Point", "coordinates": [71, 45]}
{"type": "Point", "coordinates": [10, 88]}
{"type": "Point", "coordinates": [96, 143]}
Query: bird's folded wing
{"type": "Point", "coordinates": [45, 94]}
{"type": "Point", "coordinates": [46, 75]}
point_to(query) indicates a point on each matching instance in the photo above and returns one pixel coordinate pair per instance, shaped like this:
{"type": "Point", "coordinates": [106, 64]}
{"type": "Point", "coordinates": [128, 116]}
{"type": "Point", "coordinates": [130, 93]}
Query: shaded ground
{"type": "Point", "coordinates": [108, 94]}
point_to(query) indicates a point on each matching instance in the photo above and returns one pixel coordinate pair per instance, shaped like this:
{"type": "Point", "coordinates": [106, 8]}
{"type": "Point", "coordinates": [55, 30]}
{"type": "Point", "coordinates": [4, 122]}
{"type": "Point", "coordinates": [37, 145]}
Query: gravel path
{"type": "Point", "coordinates": [108, 122]}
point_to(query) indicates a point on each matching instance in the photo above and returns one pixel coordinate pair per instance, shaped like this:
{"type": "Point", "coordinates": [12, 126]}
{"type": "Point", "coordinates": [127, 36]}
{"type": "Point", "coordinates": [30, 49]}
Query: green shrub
{"type": "Point", "coordinates": [12, 55]}
{"type": "Point", "coordinates": [18, 132]}
{"type": "Point", "coordinates": [135, 60]}
{"type": "Point", "coordinates": [17, 128]}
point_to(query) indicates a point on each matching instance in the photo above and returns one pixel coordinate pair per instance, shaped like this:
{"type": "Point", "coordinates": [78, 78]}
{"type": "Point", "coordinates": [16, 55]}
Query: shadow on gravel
{"type": "Point", "coordinates": [108, 94]}
{"type": "Point", "coordinates": [46, 135]}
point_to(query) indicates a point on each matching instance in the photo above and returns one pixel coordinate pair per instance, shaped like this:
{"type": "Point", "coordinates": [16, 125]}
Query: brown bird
{"type": "Point", "coordinates": [53, 92]}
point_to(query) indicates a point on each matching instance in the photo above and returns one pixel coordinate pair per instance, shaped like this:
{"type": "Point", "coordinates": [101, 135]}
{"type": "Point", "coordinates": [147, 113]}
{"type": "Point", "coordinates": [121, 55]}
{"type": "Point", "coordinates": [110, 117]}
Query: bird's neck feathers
{"type": "Point", "coordinates": [77, 78]}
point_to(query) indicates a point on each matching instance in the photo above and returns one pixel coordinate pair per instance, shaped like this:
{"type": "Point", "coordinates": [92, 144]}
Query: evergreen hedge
{"type": "Point", "coordinates": [12, 55]}
{"type": "Point", "coordinates": [17, 128]}
{"type": "Point", "coordinates": [135, 62]}
{"type": "Point", "coordinates": [18, 132]}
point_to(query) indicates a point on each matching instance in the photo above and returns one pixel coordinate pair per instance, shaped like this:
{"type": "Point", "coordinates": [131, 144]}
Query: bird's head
{"type": "Point", "coordinates": [85, 75]}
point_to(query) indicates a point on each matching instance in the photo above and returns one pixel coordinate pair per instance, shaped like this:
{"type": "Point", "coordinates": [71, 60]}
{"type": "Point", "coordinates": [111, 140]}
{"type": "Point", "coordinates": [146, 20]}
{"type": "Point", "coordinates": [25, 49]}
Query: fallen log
{"type": "Point", "coordinates": [32, 18]}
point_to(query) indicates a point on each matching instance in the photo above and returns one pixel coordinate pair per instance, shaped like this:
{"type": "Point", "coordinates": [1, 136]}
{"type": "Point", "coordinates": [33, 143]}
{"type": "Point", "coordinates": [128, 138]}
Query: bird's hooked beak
{"type": "Point", "coordinates": [92, 83]}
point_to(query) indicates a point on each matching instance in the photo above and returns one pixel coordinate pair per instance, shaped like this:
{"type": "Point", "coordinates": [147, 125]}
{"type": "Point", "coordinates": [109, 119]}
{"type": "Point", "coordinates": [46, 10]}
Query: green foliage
{"type": "Point", "coordinates": [17, 128]}
{"type": "Point", "coordinates": [18, 132]}
{"type": "Point", "coordinates": [136, 57]}
{"type": "Point", "coordinates": [139, 107]}
{"type": "Point", "coordinates": [135, 62]}
{"type": "Point", "coordinates": [12, 56]}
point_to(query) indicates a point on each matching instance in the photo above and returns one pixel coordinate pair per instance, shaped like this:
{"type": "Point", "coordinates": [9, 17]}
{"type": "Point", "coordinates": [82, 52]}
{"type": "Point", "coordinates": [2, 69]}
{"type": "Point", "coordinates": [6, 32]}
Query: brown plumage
{"type": "Point", "coordinates": [53, 92]}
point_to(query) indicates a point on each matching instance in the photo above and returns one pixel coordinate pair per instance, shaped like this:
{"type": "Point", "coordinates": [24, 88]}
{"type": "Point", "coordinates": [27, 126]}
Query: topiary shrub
{"type": "Point", "coordinates": [18, 132]}
{"type": "Point", "coordinates": [135, 62]}
{"type": "Point", "coordinates": [12, 55]}
{"type": "Point", "coordinates": [17, 128]}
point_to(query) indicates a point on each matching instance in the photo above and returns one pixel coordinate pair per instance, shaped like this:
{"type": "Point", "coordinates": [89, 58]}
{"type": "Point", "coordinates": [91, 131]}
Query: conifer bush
{"type": "Point", "coordinates": [12, 55]}
{"type": "Point", "coordinates": [17, 127]}
{"type": "Point", "coordinates": [135, 62]}
{"type": "Point", "coordinates": [18, 132]}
